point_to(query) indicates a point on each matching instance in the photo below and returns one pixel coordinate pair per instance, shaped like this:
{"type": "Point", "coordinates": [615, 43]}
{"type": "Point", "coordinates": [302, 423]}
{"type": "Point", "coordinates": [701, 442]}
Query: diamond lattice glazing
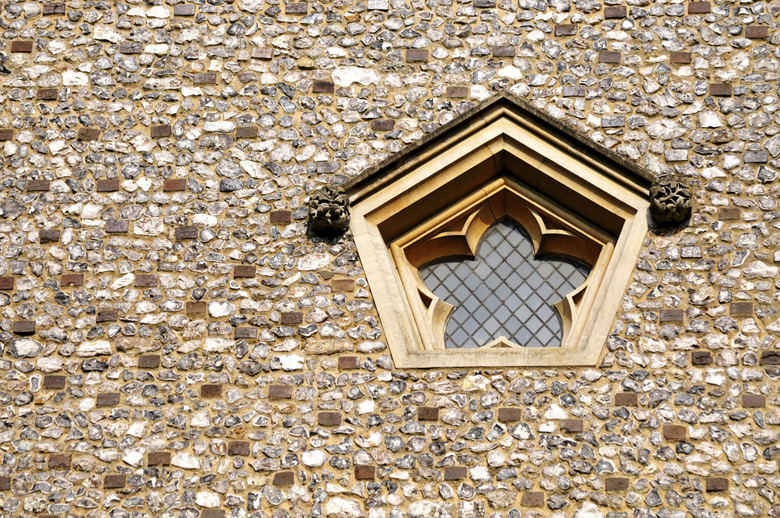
{"type": "Point", "coordinates": [504, 291]}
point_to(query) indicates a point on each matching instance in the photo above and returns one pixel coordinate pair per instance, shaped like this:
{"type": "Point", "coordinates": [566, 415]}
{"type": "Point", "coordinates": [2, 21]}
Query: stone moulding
{"type": "Point", "coordinates": [502, 160]}
{"type": "Point", "coordinates": [670, 201]}
{"type": "Point", "coordinates": [329, 211]}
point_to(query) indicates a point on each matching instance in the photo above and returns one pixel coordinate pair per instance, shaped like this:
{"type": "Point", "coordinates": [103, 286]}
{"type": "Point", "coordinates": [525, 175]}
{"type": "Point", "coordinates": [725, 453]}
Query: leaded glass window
{"type": "Point", "coordinates": [504, 291]}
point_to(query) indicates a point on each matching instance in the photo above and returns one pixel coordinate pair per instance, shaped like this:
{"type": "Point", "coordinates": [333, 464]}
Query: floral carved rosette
{"type": "Point", "coordinates": [670, 201]}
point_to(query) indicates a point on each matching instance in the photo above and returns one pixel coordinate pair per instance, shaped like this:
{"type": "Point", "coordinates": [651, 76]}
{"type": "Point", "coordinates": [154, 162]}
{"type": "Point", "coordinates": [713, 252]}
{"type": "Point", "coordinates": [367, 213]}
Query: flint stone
{"type": "Point", "coordinates": [208, 499]}
{"type": "Point", "coordinates": [220, 308]}
{"type": "Point", "coordinates": [345, 76]}
{"type": "Point", "coordinates": [588, 510]}
{"type": "Point", "coordinates": [343, 508]}
{"type": "Point", "coordinates": [185, 461]}
{"type": "Point", "coordinates": [325, 346]}
{"type": "Point", "coordinates": [24, 348]}
{"type": "Point", "coordinates": [94, 348]}
{"type": "Point", "coordinates": [314, 458]}
{"type": "Point", "coordinates": [220, 126]}
{"type": "Point", "coordinates": [423, 509]}
{"type": "Point", "coordinates": [315, 261]}
{"type": "Point", "coordinates": [665, 129]}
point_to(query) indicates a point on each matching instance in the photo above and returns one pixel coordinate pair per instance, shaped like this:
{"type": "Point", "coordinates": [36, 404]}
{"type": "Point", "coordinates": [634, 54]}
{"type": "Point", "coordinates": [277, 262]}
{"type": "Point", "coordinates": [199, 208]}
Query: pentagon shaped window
{"type": "Point", "coordinates": [505, 294]}
{"type": "Point", "coordinates": [554, 222]}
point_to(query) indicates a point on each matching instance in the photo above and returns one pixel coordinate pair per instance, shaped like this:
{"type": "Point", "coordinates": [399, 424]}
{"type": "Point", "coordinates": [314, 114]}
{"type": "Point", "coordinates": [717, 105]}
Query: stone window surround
{"type": "Point", "coordinates": [438, 201]}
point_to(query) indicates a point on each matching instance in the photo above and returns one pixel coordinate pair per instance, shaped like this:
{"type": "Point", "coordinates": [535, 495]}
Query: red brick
{"type": "Point", "coordinates": [699, 8]}
{"type": "Point", "coordinates": [107, 315]}
{"type": "Point", "coordinates": [246, 132]}
{"type": "Point", "coordinates": [296, 8]}
{"type": "Point", "coordinates": [189, 232]}
{"type": "Point", "coordinates": [245, 333]}
{"type": "Point", "coordinates": [280, 216]}
{"type": "Point", "coordinates": [47, 94]}
{"type": "Point", "coordinates": [770, 358]}
{"type": "Point", "coordinates": [322, 87]}
{"type": "Point", "coordinates": [6, 134]}
{"type": "Point", "coordinates": [329, 419]}
{"type": "Point", "coordinates": [292, 318]}
{"type": "Point", "coordinates": [51, 235]}
{"type": "Point", "coordinates": [59, 460]}
{"type": "Point", "coordinates": [680, 57]}
{"type": "Point", "coordinates": [607, 56]}
{"type": "Point", "coordinates": [107, 185]}
{"type": "Point", "coordinates": [240, 448]}
{"type": "Point", "coordinates": [716, 484]}
{"type": "Point", "coordinates": [457, 92]}
{"type": "Point", "coordinates": [510, 414]}
{"type": "Point", "coordinates": [130, 47]}
{"type": "Point", "coordinates": [618, 11]}
{"type": "Point", "coordinates": [114, 481]}
{"type": "Point", "coordinates": [416, 56]}
{"type": "Point", "coordinates": [161, 131]}
{"type": "Point", "coordinates": [675, 432]}
{"type": "Point", "coordinates": [701, 358]}
{"type": "Point", "coordinates": [159, 458]}
{"type": "Point", "coordinates": [284, 478]}
{"type": "Point", "coordinates": [382, 125]}
{"type": "Point", "coordinates": [24, 46]}
{"type": "Point", "coordinates": [741, 308]}
{"type": "Point", "coordinates": [24, 327]}
{"type": "Point", "coordinates": [174, 184]}
{"type": "Point", "coordinates": [210, 390]}
{"type": "Point", "coordinates": [205, 78]}
{"type": "Point", "coordinates": [455, 472]}
{"type": "Point", "coordinates": [197, 308]}
{"type": "Point", "coordinates": [566, 29]}
{"type": "Point", "coordinates": [280, 391]}
{"type": "Point", "coordinates": [184, 10]}
{"type": "Point", "coordinates": [532, 499]}
{"type": "Point", "coordinates": [616, 484]}
{"type": "Point", "coordinates": [38, 185]}
{"type": "Point", "coordinates": [117, 227]}
{"type": "Point", "coordinates": [720, 89]}
{"type": "Point", "coordinates": [349, 362]}
{"type": "Point", "coordinates": [427, 413]}
{"type": "Point", "coordinates": [757, 32]}
{"type": "Point", "coordinates": [247, 77]}
{"type": "Point", "coordinates": [51, 381]}
{"type": "Point", "coordinates": [342, 285]}
{"type": "Point", "coordinates": [503, 51]}
{"type": "Point", "coordinates": [149, 361]}
{"type": "Point", "coordinates": [571, 425]}
{"type": "Point", "coordinates": [730, 214]}
{"type": "Point", "coordinates": [626, 399]}
{"type": "Point", "coordinates": [672, 315]}
{"type": "Point", "coordinates": [143, 280]}
{"type": "Point", "coordinates": [365, 472]}
{"type": "Point", "coordinates": [108, 399]}
{"type": "Point", "coordinates": [6, 283]}
{"type": "Point", "coordinates": [753, 401]}
{"type": "Point", "coordinates": [263, 53]}
{"type": "Point", "coordinates": [574, 91]}
{"type": "Point", "coordinates": [72, 279]}
{"type": "Point", "coordinates": [54, 8]}
{"type": "Point", "coordinates": [244, 271]}
{"type": "Point", "coordinates": [88, 134]}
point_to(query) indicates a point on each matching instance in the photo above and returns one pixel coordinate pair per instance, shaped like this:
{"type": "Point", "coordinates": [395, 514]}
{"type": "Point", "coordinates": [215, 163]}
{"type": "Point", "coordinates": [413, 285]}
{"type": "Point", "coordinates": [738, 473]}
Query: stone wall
{"type": "Point", "coordinates": [175, 344]}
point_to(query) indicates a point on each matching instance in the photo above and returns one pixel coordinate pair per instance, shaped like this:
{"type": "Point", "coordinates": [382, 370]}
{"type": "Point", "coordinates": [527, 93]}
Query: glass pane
{"type": "Point", "coordinates": [504, 291]}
